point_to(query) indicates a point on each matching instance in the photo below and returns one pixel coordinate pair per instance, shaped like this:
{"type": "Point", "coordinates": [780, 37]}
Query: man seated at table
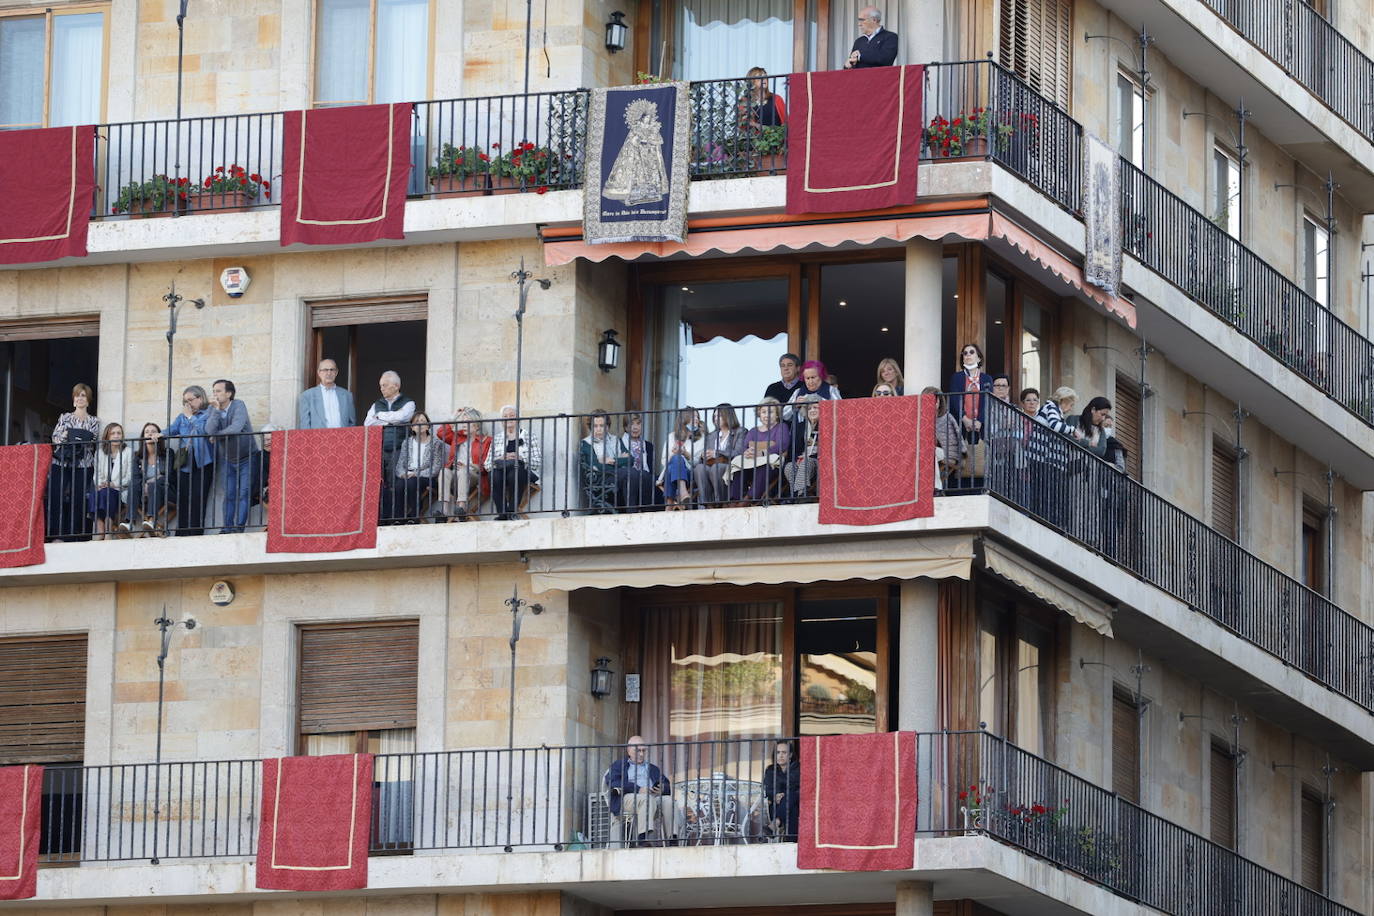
{"type": "Point", "coordinates": [782, 789]}
{"type": "Point", "coordinates": [639, 794]}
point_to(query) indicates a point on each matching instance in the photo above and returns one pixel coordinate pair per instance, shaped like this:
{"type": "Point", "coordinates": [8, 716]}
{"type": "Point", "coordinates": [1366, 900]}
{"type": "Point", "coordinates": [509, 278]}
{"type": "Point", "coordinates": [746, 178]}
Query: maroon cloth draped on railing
{"type": "Point", "coordinates": [344, 174]}
{"type": "Point", "coordinates": [24, 468]}
{"type": "Point", "coordinates": [854, 139]}
{"type": "Point", "coordinates": [323, 490]}
{"type": "Point", "coordinates": [858, 802]}
{"type": "Point", "coordinates": [21, 799]}
{"type": "Point", "coordinates": [877, 461]}
{"type": "Point", "coordinates": [47, 179]}
{"type": "Point", "coordinates": [316, 812]}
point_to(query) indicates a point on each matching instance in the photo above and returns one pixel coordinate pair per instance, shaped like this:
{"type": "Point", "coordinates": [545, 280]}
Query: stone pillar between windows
{"type": "Point", "coordinates": [923, 43]}
{"type": "Point", "coordinates": [921, 326]}
{"type": "Point", "coordinates": [915, 898]}
{"type": "Point", "coordinates": [918, 703]}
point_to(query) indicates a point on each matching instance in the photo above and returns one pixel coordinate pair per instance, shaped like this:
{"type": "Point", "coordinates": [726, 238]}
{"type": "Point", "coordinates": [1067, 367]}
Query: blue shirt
{"type": "Point", "coordinates": [202, 452]}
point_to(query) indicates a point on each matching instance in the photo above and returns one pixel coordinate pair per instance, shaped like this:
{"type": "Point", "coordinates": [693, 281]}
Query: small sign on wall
{"type": "Point", "coordinates": [631, 688]}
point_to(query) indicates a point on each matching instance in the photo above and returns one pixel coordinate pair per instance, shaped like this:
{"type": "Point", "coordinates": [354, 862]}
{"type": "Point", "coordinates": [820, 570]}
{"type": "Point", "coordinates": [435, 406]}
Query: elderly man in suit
{"type": "Point", "coordinates": [326, 406]}
{"type": "Point", "coordinates": [637, 790]}
{"type": "Point", "coordinates": [875, 46]}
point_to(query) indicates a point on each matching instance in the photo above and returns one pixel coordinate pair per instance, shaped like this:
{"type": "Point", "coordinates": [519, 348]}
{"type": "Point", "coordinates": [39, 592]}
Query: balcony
{"type": "Point", "coordinates": [554, 800]}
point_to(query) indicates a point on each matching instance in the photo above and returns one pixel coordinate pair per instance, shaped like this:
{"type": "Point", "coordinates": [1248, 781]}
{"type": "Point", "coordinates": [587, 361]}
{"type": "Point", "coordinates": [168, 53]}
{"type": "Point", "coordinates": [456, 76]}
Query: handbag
{"type": "Point", "coordinates": [182, 458]}
{"type": "Point", "coordinates": [975, 463]}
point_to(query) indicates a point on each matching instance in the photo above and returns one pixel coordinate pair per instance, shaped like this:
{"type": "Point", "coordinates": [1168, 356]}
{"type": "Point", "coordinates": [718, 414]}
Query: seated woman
{"type": "Point", "coordinates": [464, 480]}
{"type": "Point", "coordinates": [681, 453]}
{"type": "Point", "coordinates": [634, 482]}
{"type": "Point", "coordinates": [514, 462]}
{"type": "Point", "coordinates": [756, 471]}
{"type": "Point", "coordinates": [599, 457]}
{"type": "Point", "coordinates": [813, 382]}
{"type": "Point", "coordinates": [782, 790]}
{"type": "Point", "coordinates": [890, 374]}
{"type": "Point", "coordinates": [713, 460]}
{"type": "Point", "coordinates": [150, 481]}
{"type": "Point", "coordinates": [949, 441]}
{"type": "Point", "coordinates": [800, 472]}
{"type": "Point", "coordinates": [106, 502]}
{"type": "Point", "coordinates": [421, 458]}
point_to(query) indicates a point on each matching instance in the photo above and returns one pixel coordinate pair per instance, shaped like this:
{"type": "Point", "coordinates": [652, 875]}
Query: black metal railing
{"type": "Point", "coordinates": [1311, 50]}
{"type": "Point", "coordinates": [737, 129]}
{"type": "Point", "coordinates": [718, 792]}
{"type": "Point", "coordinates": [1051, 477]}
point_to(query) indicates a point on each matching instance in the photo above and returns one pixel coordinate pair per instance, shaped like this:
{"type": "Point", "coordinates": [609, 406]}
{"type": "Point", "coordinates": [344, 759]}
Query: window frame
{"type": "Point", "coordinates": [1315, 283]}
{"type": "Point", "coordinates": [1234, 222]}
{"type": "Point", "coordinates": [1139, 120]}
{"type": "Point", "coordinates": [47, 14]}
{"type": "Point", "coordinates": [431, 13]}
{"type": "Point", "coordinates": [1010, 621]}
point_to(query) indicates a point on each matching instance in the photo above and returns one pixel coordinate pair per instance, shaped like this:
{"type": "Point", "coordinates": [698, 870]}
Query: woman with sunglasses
{"type": "Point", "coordinates": [970, 408]}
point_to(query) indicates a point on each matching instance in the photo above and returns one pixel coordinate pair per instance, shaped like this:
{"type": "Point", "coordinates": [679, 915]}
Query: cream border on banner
{"type": "Point", "coordinates": [33, 498]}
{"type": "Point", "coordinates": [896, 147]}
{"type": "Point", "coordinates": [23, 833]}
{"type": "Point", "coordinates": [281, 508]}
{"type": "Point", "coordinates": [71, 205]}
{"type": "Point", "coordinates": [834, 465]}
{"type": "Point", "coordinates": [386, 189]}
{"type": "Point", "coordinates": [352, 821]}
{"type": "Point", "coordinates": [896, 799]}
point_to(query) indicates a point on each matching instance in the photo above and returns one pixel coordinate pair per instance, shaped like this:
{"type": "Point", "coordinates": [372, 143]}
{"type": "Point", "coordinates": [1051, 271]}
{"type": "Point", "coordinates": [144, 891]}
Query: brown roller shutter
{"type": "Point", "coordinates": [1224, 491]}
{"type": "Point", "coordinates": [42, 699]}
{"type": "Point", "coordinates": [375, 310]}
{"type": "Point", "coordinates": [1125, 746]}
{"type": "Point", "coordinates": [1126, 418]}
{"type": "Point", "coordinates": [1313, 827]}
{"type": "Point", "coordinates": [1223, 793]}
{"type": "Point", "coordinates": [1034, 42]}
{"type": "Point", "coordinates": [50, 328]}
{"type": "Point", "coordinates": [358, 677]}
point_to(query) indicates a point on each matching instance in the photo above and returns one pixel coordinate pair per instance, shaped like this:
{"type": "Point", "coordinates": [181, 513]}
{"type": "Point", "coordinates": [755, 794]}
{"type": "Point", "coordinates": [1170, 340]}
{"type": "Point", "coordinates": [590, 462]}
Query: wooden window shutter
{"type": "Point", "coordinates": [1034, 42]}
{"type": "Point", "coordinates": [1312, 823]}
{"type": "Point", "coordinates": [50, 328]}
{"type": "Point", "coordinates": [374, 310]}
{"type": "Point", "coordinates": [1127, 419]}
{"type": "Point", "coordinates": [1223, 795]}
{"type": "Point", "coordinates": [358, 677]}
{"type": "Point", "coordinates": [1125, 746]}
{"type": "Point", "coordinates": [1224, 490]}
{"type": "Point", "coordinates": [42, 699]}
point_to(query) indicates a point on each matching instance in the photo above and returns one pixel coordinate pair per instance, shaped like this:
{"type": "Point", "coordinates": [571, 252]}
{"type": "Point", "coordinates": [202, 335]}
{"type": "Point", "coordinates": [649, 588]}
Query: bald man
{"type": "Point", "coordinates": [875, 46]}
{"type": "Point", "coordinates": [638, 790]}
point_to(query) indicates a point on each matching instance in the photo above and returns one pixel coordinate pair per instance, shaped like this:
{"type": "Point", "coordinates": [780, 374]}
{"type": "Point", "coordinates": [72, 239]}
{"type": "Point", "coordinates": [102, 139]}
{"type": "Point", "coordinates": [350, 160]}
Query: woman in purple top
{"type": "Point", "coordinates": [768, 437]}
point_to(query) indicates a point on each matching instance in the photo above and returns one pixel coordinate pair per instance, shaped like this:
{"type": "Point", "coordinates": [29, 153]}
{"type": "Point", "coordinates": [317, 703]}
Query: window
{"type": "Point", "coordinates": [1127, 421]}
{"type": "Point", "coordinates": [366, 337]}
{"type": "Point", "coordinates": [41, 360]}
{"type": "Point", "coordinates": [1223, 794]}
{"type": "Point", "coordinates": [1225, 490]}
{"type": "Point", "coordinates": [1034, 42]}
{"type": "Point", "coordinates": [1015, 678]}
{"type": "Point", "coordinates": [1316, 260]}
{"type": "Point", "coordinates": [52, 68]}
{"type": "Point", "coordinates": [43, 720]}
{"type": "Point", "coordinates": [1130, 119]}
{"type": "Point", "coordinates": [837, 666]}
{"type": "Point", "coordinates": [1314, 547]}
{"type": "Point", "coordinates": [1312, 826]}
{"type": "Point", "coordinates": [1226, 191]}
{"type": "Point", "coordinates": [1125, 745]}
{"type": "Point", "coordinates": [1035, 355]}
{"type": "Point", "coordinates": [371, 51]}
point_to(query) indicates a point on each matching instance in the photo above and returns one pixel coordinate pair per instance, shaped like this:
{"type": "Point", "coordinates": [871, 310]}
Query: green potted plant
{"type": "Point", "coordinates": [527, 167]}
{"type": "Point", "coordinates": [460, 171]}
{"type": "Point", "coordinates": [230, 187]}
{"type": "Point", "coordinates": [771, 147]}
{"type": "Point", "coordinates": [158, 196]}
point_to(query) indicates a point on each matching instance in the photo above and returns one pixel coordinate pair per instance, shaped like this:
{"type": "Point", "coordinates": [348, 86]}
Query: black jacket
{"type": "Point", "coordinates": [877, 51]}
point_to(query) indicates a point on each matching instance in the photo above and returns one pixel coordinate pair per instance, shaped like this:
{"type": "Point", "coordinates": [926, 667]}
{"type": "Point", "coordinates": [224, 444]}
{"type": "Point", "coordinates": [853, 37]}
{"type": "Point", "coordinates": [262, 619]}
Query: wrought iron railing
{"type": "Point", "coordinates": [1311, 50]}
{"type": "Point", "coordinates": [711, 793]}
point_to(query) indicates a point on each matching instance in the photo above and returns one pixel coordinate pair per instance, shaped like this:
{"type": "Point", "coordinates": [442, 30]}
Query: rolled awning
{"type": "Point", "coordinates": [973, 227]}
{"type": "Point", "coordinates": [1049, 588]}
{"type": "Point", "coordinates": [935, 557]}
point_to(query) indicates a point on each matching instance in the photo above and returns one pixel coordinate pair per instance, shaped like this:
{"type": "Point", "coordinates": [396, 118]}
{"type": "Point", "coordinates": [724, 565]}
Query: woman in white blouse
{"type": "Point", "coordinates": [107, 502]}
{"type": "Point", "coordinates": [418, 466]}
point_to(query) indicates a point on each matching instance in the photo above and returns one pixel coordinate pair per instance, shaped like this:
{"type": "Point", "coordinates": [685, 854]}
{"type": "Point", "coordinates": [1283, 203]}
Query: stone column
{"type": "Point", "coordinates": [922, 31]}
{"type": "Point", "coordinates": [915, 898]}
{"type": "Point", "coordinates": [918, 707]}
{"type": "Point", "coordinates": [924, 304]}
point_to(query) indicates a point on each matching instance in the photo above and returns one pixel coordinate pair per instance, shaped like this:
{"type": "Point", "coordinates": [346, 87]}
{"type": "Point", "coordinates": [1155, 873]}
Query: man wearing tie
{"type": "Point", "coordinates": [326, 406]}
{"type": "Point", "coordinates": [875, 46]}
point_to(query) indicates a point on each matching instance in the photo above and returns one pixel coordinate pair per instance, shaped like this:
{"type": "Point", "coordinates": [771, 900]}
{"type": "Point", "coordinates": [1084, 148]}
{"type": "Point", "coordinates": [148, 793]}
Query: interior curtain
{"type": "Point", "coordinates": [664, 324]}
{"type": "Point", "coordinates": [402, 50]}
{"type": "Point", "coordinates": [844, 28]}
{"type": "Point", "coordinates": [341, 51]}
{"type": "Point", "coordinates": [723, 39]}
{"type": "Point", "coordinates": [21, 71]}
{"type": "Point", "coordinates": [78, 45]}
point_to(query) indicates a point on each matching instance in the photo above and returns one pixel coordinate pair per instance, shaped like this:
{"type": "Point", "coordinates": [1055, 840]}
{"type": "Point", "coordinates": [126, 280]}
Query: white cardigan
{"type": "Point", "coordinates": [115, 472]}
{"type": "Point", "coordinates": [692, 447]}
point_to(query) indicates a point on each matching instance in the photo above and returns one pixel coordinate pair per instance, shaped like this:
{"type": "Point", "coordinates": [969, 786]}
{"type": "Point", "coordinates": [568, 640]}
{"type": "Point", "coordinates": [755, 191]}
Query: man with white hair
{"type": "Point", "coordinates": [875, 46]}
{"type": "Point", "coordinates": [392, 410]}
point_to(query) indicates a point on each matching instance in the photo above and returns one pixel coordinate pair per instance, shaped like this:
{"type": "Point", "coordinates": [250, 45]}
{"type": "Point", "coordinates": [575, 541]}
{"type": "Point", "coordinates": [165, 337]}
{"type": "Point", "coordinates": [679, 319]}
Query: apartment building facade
{"type": "Point", "coordinates": [1182, 673]}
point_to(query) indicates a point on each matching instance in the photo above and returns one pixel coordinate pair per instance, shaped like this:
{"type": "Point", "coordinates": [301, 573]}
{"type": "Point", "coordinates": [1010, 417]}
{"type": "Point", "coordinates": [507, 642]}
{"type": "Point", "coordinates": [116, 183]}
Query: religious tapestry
{"type": "Point", "coordinates": [637, 164]}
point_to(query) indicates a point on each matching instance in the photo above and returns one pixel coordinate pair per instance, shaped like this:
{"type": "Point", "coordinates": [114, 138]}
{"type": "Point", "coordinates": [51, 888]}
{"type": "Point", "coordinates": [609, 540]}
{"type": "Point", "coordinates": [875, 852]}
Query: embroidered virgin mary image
{"type": "Point", "coordinates": [638, 175]}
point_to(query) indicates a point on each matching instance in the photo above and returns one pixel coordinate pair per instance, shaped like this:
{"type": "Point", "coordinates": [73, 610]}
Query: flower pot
{"type": "Point", "coordinates": [772, 163]}
{"type": "Point", "coordinates": [506, 184]}
{"type": "Point", "coordinates": [976, 147]}
{"type": "Point", "coordinates": [222, 201]}
{"type": "Point", "coordinates": [146, 209]}
{"type": "Point", "coordinates": [460, 186]}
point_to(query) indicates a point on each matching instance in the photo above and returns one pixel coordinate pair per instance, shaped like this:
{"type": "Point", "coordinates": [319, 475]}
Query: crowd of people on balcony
{"type": "Point", "coordinates": [105, 485]}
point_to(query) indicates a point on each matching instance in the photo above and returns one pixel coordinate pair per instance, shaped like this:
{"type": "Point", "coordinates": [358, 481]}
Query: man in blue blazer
{"type": "Point", "coordinates": [875, 46]}
{"type": "Point", "coordinates": [639, 790]}
{"type": "Point", "coordinates": [326, 406]}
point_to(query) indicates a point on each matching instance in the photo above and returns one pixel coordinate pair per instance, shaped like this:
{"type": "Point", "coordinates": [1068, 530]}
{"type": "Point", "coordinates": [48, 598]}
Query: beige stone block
{"type": "Point", "coordinates": [146, 692]}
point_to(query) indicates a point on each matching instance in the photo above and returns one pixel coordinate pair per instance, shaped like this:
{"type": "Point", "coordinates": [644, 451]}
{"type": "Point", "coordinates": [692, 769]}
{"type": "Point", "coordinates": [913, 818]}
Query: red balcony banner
{"type": "Point", "coordinates": [858, 802]}
{"type": "Point", "coordinates": [47, 183]}
{"type": "Point", "coordinates": [854, 139]}
{"type": "Point", "coordinates": [344, 174]}
{"type": "Point", "coordinates": [323, 489]}
{"type": "Point", "coordinates": [21, 802]}
{"type": "Point", "coordinates": [24, 468]}
{"type": "Point", "coordinates": [877, 460]}
{"type": "Point", "coordinates": [316, 812]}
